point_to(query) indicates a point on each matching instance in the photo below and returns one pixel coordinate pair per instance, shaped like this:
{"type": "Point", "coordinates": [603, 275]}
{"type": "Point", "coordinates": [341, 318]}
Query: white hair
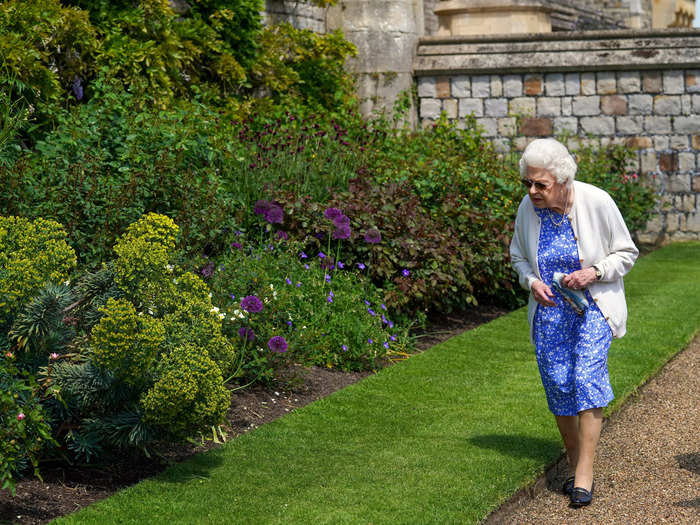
{"type": "Point", "coordinates": [551, 155]}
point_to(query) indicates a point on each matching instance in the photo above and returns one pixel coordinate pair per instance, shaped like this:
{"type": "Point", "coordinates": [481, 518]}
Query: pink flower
{"type": "Point", "coordinates": [53, 356]}
{"type": "Point", "coordinates": [20, 416]}
{"type": "Point", "coordinates": [9, 355]}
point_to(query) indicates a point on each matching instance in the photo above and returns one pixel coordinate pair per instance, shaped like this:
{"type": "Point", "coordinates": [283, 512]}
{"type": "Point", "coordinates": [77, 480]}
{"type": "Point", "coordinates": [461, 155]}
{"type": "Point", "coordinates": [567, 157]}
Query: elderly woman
{"type": "Point", "coordinates": [573, 230]}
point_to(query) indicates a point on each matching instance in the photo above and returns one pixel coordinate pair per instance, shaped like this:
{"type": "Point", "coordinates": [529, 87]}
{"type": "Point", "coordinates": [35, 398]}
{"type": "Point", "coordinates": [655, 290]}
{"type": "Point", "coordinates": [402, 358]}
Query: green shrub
{"type": "Point", "coordinates": [32, 253]}
{"type": "Point", "coordinates": [188, 394]}
{"type": "Point", "coordinates": [125, 343]}
{"type": "Point", "coordinates": [24, 432]}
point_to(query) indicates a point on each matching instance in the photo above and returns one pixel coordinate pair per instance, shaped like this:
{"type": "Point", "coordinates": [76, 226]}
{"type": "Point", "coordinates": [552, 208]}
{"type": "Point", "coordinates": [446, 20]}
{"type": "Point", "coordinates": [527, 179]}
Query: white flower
{"type": "Point", "coordinates": [214, 309]}
{"type": "Point", "coordinates": [266, 300]}
{"type": "Point", "coordinates": [67, 282]}
{"type": "Point", "coordinates": [303, 327]}
{"type": "Point", "coordinates": [274, 295]}
{"type": "Point", "coordinates": [169, 267]}
{"type": "Point", "coordinates": [175, 281]}
{"type": "Point", "coordinates": [272, 286]}
{"type": "Point", "coordinates": [222, 316]}
{"type": "Point", "coordinates": [209, 295]}
{"type": "Point", "coordinates": [150, 312]}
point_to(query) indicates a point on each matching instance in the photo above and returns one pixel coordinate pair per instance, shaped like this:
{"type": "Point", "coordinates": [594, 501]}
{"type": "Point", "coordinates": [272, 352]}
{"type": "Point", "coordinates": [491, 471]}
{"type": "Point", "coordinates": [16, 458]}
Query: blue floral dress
{"type": "Point", "coordinates": [571, 349]}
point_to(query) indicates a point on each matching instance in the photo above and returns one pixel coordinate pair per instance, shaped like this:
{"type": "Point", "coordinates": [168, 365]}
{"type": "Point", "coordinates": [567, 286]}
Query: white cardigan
{"type": "Point", "coordinates": [602, 239]}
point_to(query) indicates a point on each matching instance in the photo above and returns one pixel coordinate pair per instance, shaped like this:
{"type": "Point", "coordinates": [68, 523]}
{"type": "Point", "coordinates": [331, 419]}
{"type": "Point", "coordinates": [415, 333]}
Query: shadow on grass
{"type": "Point", "coordinates": [519, 446]}
{"type": "Point", "coordinates": [199, 466]}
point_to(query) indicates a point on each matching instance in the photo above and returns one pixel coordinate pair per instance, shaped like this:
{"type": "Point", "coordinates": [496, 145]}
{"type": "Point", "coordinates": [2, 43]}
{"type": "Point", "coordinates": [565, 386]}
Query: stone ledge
{"type": "Point", "coordinates": [546, 53]}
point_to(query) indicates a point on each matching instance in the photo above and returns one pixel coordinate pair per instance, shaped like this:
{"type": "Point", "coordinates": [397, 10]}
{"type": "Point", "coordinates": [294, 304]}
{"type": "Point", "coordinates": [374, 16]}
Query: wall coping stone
{"type": "Point", "coordinates": [564, 51]}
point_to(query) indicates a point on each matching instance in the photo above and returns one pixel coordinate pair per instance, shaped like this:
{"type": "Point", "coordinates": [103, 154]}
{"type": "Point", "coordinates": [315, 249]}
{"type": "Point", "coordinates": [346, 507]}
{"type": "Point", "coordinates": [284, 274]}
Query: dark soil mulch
{"type": "Point", "coordinates": [65, 489]}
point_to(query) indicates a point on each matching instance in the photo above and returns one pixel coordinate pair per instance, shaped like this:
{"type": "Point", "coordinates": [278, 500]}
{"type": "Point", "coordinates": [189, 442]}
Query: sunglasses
{"type": "Point", "coordinates": [539, 186]}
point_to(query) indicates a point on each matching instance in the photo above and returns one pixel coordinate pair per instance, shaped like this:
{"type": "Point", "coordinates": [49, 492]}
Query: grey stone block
{"type": "Point", "coordinates": [629, 125]}
{"type": "Point", "coordinates": [471, 106]}
{"type": "Point", "coordinates": [506, 126]}
{"type": "Point", "coordinates": [696, 103]}
{"type": "Point", "coordinates": [489, 125]}
{"type": "Point", "coordinates": [629, 82]}
{"type": "Point", "coordinates": [572, 82]}
{"type": "Point", "coordinates": [690, 125]}
{"type": "Point", "coordinates": [639, 104]}
{"type": "Point", "coordinates": [588, 86]}
{"type": "Point", "coordinates": [430, 108]}
{"type": "Point", "coordinates": [692, 81]}
{"type": "Point", "coordinates": [648, 162]}
{"type": "Point", "coordinates": [512, 86]}
{"type": "Point", "coordinates": [679, 142]}
{"type": "Point", "coordinates": [524, 106]}
{"type": "Point", "coordinates": [657, 125]}
{"type": "Point", "coordinates": [461, 86]}
{"type": "Point", "coordinates": [449, 106]}
{"type": "Point", "coordinates": [673, 82]}
{"type": "Point", "coordinates": [501, 145]}
{"type": "Point", "coordinates": [548, 107]}
{"type": "Point", "coordinates": [565, 125]}
{"type": "Point", "coordinates": [496, 86]}
{"type": "Point", "coordinates": [586, 105]}
{"type": "Point", "coordinates": [481, 86]}
{"type": "Point", "coordinates": [554, 85]}
{"type": "Point", "coordinates": [606, 83]}
{"type": "Point", "coordinates": [566, 108]}
{"type": "Point", "coordinates": [678, 183]}
{"type": "Point", "coordinates": [598, 125]}
{"type": "Point", "coordinates": [667, 105]}
{"type": "Point", "coordinates": [686, 161]}
{"type": "Point", "coordinates": [496, 107]}
{"type": "Point", "coordinates": [426, 87]}
{"type": "Point", "coordinates": [686, 105]}
{"type": "Point", "coordinates": [661, 142]}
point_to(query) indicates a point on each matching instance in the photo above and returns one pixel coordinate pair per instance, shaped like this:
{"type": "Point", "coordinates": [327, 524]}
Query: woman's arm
{"type": "Point", "coordinates": [622, 251]}
{"type": "Point", "coordinates": [518, 251]}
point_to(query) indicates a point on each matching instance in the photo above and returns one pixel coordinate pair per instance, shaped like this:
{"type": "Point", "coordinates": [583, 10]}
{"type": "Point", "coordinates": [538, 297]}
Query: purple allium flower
{"type": "Point", "coordinates": [361, 266]}
{"type": "Point", "coordinates": [345, 348]}
{"type": "Point", "coordinates": [274, 215]}
{"type": "Point", "coordinates": [303, 255]}
{"type": "Point", "coordinates": [277, 344]}
{"type": "Point", "coordinates": [78, 88]}
{"type": "Point", "coordinates": [373, 236]}
{"type": "Point", "coordinates": [341, 265]}
{"type": "Point", "coordinates": [405, 272]}
{"type": "Point", "coordinates": [282, 235]}
{"type": "Point", "coordinates": [208, 270]}
{"type": "Point", "coordinates": [371, 312]}
{"type": "Point", "coordinates": [288, 280]}
{"type": "Point", "coordinates": [246, 333]}
{"type": "Point", "coordinates": [386, 345]}
{"type": "Point", "coordinates": [342, 232]}
{"type": "Point", "coordinates": [251, 304]}
{"type": "Point", "coordinates": [341, 220]}
{"type": "Point", "coordinates": [332, 213]}
{"type": "Point", "coordinates": [261, 207]}
{"type": "Point", "coordinates": [321, 255]}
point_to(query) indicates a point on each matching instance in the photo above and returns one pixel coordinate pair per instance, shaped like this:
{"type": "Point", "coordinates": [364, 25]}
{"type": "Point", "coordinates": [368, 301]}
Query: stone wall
{"type": "Point", "coordinates": [302, 15]}
{"type": "Point", "coordinates": [637, 88]}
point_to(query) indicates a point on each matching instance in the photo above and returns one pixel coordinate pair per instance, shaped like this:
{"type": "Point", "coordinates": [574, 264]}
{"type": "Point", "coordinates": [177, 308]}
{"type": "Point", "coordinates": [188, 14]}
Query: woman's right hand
{"type": "Point", "coordinates": [543, 294]}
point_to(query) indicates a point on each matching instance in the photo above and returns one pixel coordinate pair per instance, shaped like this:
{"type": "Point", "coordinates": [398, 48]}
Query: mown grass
{"type": "Point", "coordinates": [444, 437]}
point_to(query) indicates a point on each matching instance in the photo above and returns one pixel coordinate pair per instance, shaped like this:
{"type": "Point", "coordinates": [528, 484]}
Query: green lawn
{"type": "Point", "coordinates": [443, 437]}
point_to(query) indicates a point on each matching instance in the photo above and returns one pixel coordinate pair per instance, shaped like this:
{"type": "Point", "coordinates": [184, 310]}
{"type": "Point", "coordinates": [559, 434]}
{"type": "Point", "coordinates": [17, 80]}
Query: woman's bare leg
{"type": "Point", "coordinates": [569, 430]}
{"type": "Point", "coordinates": [589, 424]}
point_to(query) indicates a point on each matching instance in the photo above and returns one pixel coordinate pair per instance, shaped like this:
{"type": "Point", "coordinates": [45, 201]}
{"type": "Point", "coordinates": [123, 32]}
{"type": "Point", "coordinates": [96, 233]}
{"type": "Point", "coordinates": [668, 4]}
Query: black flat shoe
{"type": "Point", "coordinates": [568, 486]}
{"type": "Point", "coordinates": [581, 497]}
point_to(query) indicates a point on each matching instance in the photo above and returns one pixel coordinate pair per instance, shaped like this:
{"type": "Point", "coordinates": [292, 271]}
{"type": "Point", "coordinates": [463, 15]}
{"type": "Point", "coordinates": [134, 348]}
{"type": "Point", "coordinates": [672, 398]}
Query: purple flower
{"type": "Point", "coordinates": [330, 293]}
{"type": "Point", "coordinates": [251, 304]}
{"type": "Point", "coordinates": [370, 341]}
{"type": "Point", "coordinates": [277, 344]}
{"type": "Point", "coordinates": [307, 266]}
{"type": "Point", "coordinates": [236, 245]}
{"type": "Point", "coordinates": [233, 297]}
{"type": "Point", "coordinates": [367, 302]}
{"type": "Point", "coordinates": [361, 266]}
{"type": "Point", "coordinates": [282, 235]}
{"type": "Point", "coordinates": [78, 89]}
{"type": "Point", "coordinates": [342, 220]}
{"type": "Point", "coordinates": [208, 270]}
{"type": "Point", "coordinates": [342, 232]}
{"type": "Point", "coordinates": [289, 323]}
{"type": "Point", "coordinates": [288, 280]}
{"type": "Point", "coordinates": [392, 337]}
{"type": "Point", "coordinates": [386, 345]}
{"type": "Point", "coordinates": [298, 285]}
{"type": "Point", "coordinates": [373, 236]}
{"type": "Point", "coordinates": [332, 213]}
{"type": "Point", "coordinates": [383, 306]}
{"type": "Point", "coordinates": [391, 325]}
{"type": "Point", "coordinates": [405, 272]}
{"type": "Point", "coordinates": [238, 233]}
{"type": "Point", "coordinates": [261, 207]}
{"type": "Point", "coordinates": [384, 319]}
{"type": "Point", "coordinates": [371, 312]}
{"type": "Point", "coordinates": [328, 278]}
{"type": "Point", "coordinates": [330, 299]}
{"type": "Point", "coordinates": [246, 333]}
{"type": "Point", "coordinates": [274, 215]}
{"type": "Point", "coordinates": [303, 255]}
{"type": "Point", "coordinates": [321, 255]}
{"type": "Point", "coordinates": [345, 348]}
{"type": "Point", "coordinates": [341, 265]}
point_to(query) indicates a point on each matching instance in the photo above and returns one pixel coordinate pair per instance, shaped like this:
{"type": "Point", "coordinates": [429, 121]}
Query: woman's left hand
{"type": "Point", "coordinates": [579, 279]}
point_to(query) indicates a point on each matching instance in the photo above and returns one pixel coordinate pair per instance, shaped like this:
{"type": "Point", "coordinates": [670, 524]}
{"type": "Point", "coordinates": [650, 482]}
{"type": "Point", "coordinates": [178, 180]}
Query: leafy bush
{"type": "Point", "coordinates": [188, 394]}
{"type": "Point", "coordinates": [32, 253]}
{"type": "Point", "coordinates": [24, 432]}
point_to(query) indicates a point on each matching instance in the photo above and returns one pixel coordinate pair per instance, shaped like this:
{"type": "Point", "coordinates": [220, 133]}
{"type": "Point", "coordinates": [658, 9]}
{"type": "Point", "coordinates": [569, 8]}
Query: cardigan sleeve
{"type": "Point", "coordinates": [518, 250]}
{"type": "Point", "coordinates": [622, 253]}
